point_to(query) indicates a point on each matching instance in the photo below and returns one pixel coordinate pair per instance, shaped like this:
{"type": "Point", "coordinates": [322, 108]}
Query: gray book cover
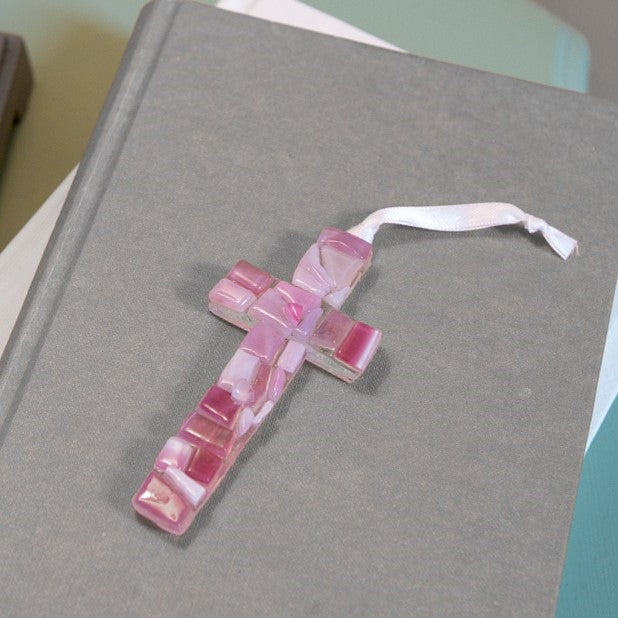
{"type": "Point", "coordinates": [443, 481]}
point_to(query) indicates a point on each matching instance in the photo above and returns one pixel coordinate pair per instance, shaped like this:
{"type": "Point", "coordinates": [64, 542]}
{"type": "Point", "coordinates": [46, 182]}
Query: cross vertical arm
{"type": "Point", "coordinates": [287, 324]}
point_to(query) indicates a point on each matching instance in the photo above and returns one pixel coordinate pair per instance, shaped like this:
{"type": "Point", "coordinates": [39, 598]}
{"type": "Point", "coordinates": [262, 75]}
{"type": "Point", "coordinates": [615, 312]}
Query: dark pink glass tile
{"type": "Point", "coordinates": [219, 406]}
{"type": "Point", "coordinates": [359, 346]}
{"type": "Point", "coordinates": [204, 466]}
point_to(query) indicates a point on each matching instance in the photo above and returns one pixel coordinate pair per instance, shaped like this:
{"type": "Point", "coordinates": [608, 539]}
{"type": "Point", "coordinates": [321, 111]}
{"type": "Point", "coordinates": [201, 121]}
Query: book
{"type": "Point", "coordinates": [18, 263]}
{"type": "Point", "coordinates": [445, 479]}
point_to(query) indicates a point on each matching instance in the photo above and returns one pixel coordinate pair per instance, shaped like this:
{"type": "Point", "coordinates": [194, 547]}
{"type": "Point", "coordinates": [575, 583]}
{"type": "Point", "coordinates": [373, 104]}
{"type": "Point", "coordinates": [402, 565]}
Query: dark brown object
{"type": "Point", "coordinates": [15, 85]}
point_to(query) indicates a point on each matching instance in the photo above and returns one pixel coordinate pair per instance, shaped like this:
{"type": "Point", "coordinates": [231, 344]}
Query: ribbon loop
{"type": "Point", "coordinates": [465, 217]}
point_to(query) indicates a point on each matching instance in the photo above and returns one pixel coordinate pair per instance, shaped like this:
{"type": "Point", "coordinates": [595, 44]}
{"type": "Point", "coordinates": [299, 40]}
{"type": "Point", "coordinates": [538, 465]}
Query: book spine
{"type": "Point", "coordinates": [79, 210]}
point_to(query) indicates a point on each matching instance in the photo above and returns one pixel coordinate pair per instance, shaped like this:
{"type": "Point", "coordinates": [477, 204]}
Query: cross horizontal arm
{"type": "Point", "coordinates": [332, 340]}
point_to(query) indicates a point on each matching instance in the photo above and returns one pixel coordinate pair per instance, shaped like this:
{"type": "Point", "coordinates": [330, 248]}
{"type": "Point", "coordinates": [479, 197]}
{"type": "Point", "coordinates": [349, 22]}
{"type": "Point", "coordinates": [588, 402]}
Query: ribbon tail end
{"type": "Point", "coordinates": [563, 245]}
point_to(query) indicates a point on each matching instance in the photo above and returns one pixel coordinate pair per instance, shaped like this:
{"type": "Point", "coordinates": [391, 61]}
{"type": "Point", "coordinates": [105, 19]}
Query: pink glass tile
{"type": "Point", "coordinates": [242, 366]}
{"type": "Point", "coordinates": [263, 412]}
{"type": "Point", "coordinates": [205, 466]}
{"type": "Point", "coordinates": [294, 294]}
{"type": "Point", "coordinates": [260, 384]}
{"type": "Point", "coordinates": [344, 269]}
{"type": "Point", "coordinates": [270, 308]}
{"type": "Point", "coordinates": [191, 490]}
{"type": "Point", "coordinates": [176, 453]}
{"type": "Point", "coordinates": [292, 357]}
{"type": "Point", "coordinates": [231, 295]}
{"type": "Point", "coordinates": [332, 330]}
{"type": "Point", "coordinates": [336, 299]}
{"type": "Point", "coordinates": [219, 406]}
{"type": "Point", "coordinates": [311, 275]}
{"type": "Point", "coordinates": [263, 341]}
{"type": "Point", "coordinates": [205, 433]}
{"type": "Point", "coordinates": [277, 384]}
{"type": "Point", "coordinates": [359, 346]}
{"type": "Point", "coordinates": [160, 503]}
{"type": "Point", "coordinates": [294, 312]}
{"type": "Point", "coordinates": [245, 422]}
{"type": "Point", "coordinates": [242, 392]}
{"type": "Point", "coordinates": [250, 277]}
{"type": "Point", "coordinates": [345, 242]}
{"type": "Point", "coordinates": [307, 326]}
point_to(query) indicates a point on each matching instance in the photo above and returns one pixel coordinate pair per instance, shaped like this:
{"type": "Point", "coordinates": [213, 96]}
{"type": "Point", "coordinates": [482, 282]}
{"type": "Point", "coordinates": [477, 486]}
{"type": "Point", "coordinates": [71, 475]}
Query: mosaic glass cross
{"type": "Point", "coordinates": [288, 323]}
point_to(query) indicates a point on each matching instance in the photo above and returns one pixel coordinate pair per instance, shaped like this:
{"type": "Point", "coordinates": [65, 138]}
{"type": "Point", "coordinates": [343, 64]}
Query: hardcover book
{"type": "Point", "coordinates": [441, 482]}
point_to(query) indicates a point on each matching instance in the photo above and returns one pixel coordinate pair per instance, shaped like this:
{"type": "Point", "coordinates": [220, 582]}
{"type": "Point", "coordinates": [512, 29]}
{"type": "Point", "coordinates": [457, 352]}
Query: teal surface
{"type": "Point", "coordinates": [75, 47]}
{"type": "Point", "coordinates": [591, 568]}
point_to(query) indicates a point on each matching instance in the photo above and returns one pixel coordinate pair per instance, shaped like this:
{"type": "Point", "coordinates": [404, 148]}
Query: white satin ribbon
{"type": "Point", "coordinates": [465, 217]}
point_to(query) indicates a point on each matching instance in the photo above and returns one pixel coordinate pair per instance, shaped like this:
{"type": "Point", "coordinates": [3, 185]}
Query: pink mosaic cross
{"type": "Point", "coordinates": [288, 323]}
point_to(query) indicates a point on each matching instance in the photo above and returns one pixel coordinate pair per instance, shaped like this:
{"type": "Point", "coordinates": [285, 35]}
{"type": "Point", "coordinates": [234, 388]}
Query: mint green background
{"type": "Point", "coordinates": [512, 37]}
{"type": "Point", "coordinates": [75, 47]}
